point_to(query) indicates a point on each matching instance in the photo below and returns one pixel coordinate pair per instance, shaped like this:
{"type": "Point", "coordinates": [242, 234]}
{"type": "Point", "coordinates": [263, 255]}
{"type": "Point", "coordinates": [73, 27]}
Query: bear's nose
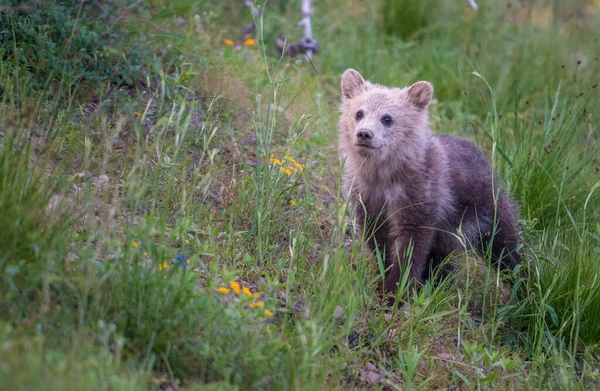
{"type": "Point", "coordinates": [364, 135]}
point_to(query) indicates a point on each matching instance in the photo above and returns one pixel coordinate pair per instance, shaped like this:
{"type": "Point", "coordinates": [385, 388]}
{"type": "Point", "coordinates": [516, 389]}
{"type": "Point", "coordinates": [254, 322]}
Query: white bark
{"type": "Point", "coordinates": [473, 5]}
{"type": "Point", "coordinates": [306, 22]}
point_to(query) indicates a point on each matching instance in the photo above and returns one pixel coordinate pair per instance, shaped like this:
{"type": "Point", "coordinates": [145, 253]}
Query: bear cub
{"type": "Point", "coordinates": [414, 190]}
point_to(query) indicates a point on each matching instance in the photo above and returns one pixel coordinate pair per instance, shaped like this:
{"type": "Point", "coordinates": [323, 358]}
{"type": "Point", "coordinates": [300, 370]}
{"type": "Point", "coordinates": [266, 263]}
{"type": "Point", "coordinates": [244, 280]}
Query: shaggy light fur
{"type": "Point", "coordinates": [410, 185]}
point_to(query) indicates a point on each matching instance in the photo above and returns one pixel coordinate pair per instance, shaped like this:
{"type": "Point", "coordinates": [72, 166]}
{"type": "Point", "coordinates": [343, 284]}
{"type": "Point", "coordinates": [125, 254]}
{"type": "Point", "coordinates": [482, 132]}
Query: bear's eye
{"type": "Point", "coordinates": [386, 119]}
{"type": "Point", "coordinates": [359, 114]}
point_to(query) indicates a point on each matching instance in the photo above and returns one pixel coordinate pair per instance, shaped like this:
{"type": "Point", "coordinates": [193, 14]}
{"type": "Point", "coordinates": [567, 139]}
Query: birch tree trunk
{"type": "Point", "coordinates": [307, 23]}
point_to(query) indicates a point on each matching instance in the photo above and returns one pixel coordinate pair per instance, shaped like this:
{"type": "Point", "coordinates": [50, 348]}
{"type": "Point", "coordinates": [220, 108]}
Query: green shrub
{"type": "Point", "coordinates": [58, 41]}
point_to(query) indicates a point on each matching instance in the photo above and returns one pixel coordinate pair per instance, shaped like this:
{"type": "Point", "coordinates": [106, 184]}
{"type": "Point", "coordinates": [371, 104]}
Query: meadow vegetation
{"type": "Point", "coordinates": [171, 213]}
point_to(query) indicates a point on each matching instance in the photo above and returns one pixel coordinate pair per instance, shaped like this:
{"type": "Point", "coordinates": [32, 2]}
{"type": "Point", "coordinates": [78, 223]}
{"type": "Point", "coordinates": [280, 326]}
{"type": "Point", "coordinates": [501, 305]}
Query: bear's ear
{"type": "Point", "coordinates": [420, 94]}
{"type": "Point", "coordinates": [352, 83]}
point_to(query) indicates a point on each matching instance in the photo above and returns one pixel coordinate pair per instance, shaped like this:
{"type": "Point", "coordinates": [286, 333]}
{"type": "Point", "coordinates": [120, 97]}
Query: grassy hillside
{"type": "Point", "coordinates": [171, 214]}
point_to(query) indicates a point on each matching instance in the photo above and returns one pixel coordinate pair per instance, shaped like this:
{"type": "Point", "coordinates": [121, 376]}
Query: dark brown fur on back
{"type": "Point", "coordinates": [410, 185]}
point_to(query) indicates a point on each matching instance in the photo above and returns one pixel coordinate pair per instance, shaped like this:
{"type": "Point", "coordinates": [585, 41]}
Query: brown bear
{"type": "Point", "coordinates": [417, 193]}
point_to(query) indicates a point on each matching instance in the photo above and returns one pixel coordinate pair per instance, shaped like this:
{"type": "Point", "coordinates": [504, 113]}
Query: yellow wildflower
{"type": "Point", "coordinates": [235, 286]}
{"type": "Point", "coordinates": [223, 290]}
{"type": "Point", "coordinates": [256, 294]}
{"type": "Point", "coordinates": [258, 304]}
{"type": "Point", "coordinates": [228, 42]}
{"type": "Point", "coordinates": [163, 266]}
{"type": "Point", "coordinates": [299, 166]}
{"type": "Point", "coordinates": [268, 313]}
{"type": "Point", "coordinates": [290, 159]}
{"type": "Point", "coordinates": [275, 161]}
{"type": "Point", "coordinates": [134, 244]}
{"type": "Point", "coordinates": [247, 291]}
{"type": "Point", "coordinates": [288, 171]}
{"type": "Point", "coordinates": [249, 42]}
{"type": "Point", "coordinates": [268, 331]}
{"type": "Point", "coordinates": [137, 114]}
{"type": "Point", "coordinates": [293, 203]}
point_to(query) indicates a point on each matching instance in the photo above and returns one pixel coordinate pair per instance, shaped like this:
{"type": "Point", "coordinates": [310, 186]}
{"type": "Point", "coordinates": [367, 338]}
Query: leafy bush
{"type": "Point", "coordinates": [58, 41]}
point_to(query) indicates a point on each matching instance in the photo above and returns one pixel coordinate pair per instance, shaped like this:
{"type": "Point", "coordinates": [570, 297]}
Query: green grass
{"type": "Point", "coordinates": [133, 188]}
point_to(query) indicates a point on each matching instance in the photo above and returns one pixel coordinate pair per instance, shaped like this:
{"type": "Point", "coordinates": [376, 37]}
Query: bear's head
{"type": "Point", "coordinates": [383, 123]}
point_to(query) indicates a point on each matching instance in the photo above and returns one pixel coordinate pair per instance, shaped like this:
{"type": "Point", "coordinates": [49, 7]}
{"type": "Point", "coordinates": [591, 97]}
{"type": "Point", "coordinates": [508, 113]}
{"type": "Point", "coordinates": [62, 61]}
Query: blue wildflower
{"type": "Point", "coordinates": [180, 259]}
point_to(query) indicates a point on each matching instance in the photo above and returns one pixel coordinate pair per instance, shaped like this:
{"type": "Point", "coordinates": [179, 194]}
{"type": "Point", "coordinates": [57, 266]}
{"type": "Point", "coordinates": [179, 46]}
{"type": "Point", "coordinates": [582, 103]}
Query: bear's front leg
{"type": "Point", "coordinates": [422, 241]}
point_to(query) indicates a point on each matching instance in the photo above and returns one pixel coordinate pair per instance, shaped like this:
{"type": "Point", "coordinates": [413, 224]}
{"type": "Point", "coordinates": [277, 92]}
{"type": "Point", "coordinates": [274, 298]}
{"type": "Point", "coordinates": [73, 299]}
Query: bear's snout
{"type": "Point", "coordinates": [364, 135]}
